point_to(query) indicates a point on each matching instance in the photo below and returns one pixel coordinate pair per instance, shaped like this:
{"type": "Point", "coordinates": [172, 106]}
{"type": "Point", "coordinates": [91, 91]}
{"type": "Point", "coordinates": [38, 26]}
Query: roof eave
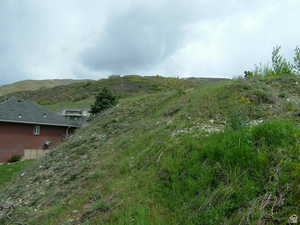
{"type": "Point", "coordinates": [37, 123]}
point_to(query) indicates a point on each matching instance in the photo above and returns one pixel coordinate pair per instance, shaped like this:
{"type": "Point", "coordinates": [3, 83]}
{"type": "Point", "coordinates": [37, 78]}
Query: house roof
{"type": "Point", "coordinates": [24, 111]}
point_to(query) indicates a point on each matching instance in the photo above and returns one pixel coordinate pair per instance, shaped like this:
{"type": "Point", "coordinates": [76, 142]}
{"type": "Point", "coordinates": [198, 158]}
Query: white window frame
{"type": "Point", "coordinates": [36, 130]}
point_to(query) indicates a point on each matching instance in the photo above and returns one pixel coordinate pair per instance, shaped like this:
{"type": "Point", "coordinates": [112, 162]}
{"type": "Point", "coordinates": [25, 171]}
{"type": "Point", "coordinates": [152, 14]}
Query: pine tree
{"type": "Point", "coordinates": [104, 100]}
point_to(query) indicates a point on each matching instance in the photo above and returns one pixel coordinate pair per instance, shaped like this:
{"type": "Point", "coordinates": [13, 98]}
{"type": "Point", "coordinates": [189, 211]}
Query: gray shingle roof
{"type": "Point", "coordinates": [23, 111]}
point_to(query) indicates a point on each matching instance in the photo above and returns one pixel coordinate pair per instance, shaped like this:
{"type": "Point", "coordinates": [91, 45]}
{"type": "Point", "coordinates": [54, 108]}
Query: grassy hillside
{"type": "Point", "coordinates": [10, 170]}
{"type": "Point", "coordinates": [82, 94]}
{"type": "Point", "coordinates": [29, 85]}
{"type": "Point", "coordinates": [222, 154]}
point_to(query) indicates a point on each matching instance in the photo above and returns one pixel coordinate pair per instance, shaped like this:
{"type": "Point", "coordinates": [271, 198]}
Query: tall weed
{"type": "Point", "coordinates": [212, 179]}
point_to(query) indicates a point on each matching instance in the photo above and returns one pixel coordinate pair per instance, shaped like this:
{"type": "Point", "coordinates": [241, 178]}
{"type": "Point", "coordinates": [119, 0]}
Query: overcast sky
{"type": "Point", "coordinates": [95, 38]}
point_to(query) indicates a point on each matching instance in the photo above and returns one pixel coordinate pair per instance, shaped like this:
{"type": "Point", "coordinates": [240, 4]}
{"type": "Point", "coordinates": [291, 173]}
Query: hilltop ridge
{"type": "Point", "coordinates": [30, 85]}
{"type": "Point", "coordinates": [81, 93]}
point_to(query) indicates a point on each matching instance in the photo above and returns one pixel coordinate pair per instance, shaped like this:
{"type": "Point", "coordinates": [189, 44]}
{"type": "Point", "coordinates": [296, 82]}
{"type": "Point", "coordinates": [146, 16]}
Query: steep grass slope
{"type": "Point", "coordinates": [29, 85]}
{"type": "Point", "coordinates": [156, 159]}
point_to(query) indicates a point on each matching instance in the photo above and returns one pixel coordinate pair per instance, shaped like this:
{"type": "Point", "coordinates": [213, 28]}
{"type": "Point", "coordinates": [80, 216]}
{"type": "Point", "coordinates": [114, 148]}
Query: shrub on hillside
{"type": "Point", "coordinates": [276, 134]}
{"type": "Point", "coordinates": [237, 120]}
{"type": "Point", "coordinates": [14, 158]}
{"type": "Point", "coordinates": [248, 74]}
{"type": "Point", "coordinates": [104, 100]}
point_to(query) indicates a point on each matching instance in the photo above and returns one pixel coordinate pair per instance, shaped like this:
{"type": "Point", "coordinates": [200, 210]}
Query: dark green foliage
{"type": "Point", "coordinates": [248, 74]}
{"type": "Point", "coordinates": [282, 95]}
{"type": "Point", "coordinates": [14, 158]}
{"type": "Point", "coordinates": [276, 134]}
{"type": "Point", "coordinates": [105, 99]}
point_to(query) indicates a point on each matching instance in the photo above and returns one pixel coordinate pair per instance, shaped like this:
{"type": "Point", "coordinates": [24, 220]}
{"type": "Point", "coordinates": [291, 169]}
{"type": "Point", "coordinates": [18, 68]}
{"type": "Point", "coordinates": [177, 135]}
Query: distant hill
{"type": "Point", "coordinates": [81, 94]}
{"type": "Point", "coordinates": [30, 85]}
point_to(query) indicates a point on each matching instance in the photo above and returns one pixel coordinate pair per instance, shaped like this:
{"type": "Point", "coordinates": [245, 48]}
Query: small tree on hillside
{"type": "Point", "coordinates": [279, 63]}
{"type": "Point", "coordinates": [297, 59]}
{"type": "Point", "coordinates": [104, 100]}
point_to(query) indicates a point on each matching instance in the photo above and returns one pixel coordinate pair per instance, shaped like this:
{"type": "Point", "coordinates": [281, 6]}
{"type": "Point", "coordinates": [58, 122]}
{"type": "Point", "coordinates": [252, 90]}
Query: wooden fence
{"type": "Point", "coordinates": [34, 153]}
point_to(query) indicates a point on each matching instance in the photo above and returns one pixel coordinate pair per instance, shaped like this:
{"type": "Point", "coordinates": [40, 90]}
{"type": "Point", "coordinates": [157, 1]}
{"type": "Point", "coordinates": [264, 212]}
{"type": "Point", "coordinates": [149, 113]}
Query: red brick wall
{"type": "Point", "coordinates": [14, 138]}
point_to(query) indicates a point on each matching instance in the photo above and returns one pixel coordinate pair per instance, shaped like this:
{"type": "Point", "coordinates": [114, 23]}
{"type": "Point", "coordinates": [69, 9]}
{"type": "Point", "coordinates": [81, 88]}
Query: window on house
{"type": "Point", "coordinates": [36, 130]}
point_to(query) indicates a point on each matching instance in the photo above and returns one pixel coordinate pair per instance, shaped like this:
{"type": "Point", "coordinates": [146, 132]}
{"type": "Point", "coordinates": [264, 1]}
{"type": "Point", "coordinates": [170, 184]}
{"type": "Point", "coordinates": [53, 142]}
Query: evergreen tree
{"type": "Point", "coordinates": [104, 100]}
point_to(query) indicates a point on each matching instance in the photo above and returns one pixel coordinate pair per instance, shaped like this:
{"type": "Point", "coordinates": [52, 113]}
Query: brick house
{"type": "Point", "coordinates": [27, 125]}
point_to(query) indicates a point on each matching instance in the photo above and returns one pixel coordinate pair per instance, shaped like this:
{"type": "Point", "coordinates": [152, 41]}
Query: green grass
{"type": "Point", "coordinates": [83, 104]}
{"type": "Point", "coordinates": [214, 179]}
{"type": "Point", "coordinates": [150, 161]}
{"type": "Point", "coordinates": [9, 170]}
{"type": "Point", "coordinates": [194, 179]}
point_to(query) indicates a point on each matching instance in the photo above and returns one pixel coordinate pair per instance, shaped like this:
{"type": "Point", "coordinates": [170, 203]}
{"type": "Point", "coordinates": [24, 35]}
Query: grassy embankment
{"type": "Point", "coordinates": [156, 159]}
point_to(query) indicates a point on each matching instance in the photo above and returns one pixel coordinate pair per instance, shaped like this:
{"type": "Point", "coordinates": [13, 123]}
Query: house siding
{"type": "Point", "coordinates": [15, 137]}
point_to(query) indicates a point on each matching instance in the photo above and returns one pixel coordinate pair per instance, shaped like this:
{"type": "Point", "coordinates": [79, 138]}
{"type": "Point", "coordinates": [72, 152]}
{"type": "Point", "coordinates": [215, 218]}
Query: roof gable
{"type": "Point", "coordinates": [25, 111]}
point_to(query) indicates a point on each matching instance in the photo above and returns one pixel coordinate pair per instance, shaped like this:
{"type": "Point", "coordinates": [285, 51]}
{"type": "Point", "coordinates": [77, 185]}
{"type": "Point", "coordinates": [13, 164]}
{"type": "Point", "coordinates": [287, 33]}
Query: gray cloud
{"type": "Point", "coordinates": [60, 39]}
{"type": "Point", "coordinates": [135, 40]}
{"type": "Point", "coordinates": [36, 40]}
{"type": "Point", "coordinates": [9, 68]}
{"type": "Point", "coordinates": [146, 34]}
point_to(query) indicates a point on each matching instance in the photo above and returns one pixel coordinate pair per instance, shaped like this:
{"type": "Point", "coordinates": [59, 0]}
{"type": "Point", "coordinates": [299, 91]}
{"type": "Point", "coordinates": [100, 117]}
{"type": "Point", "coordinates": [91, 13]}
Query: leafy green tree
{"type": "Point", "coordinates": [297, 59]}
{"type": "Point", "coordinates": [104, 99]}
{"type": "Point", "coordinates": [279, 63]}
